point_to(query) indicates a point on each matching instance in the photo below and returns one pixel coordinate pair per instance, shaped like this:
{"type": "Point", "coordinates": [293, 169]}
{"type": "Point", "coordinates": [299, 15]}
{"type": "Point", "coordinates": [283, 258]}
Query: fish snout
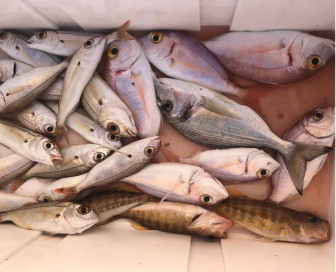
{"type": "Point", "coordinates": [56, 159]}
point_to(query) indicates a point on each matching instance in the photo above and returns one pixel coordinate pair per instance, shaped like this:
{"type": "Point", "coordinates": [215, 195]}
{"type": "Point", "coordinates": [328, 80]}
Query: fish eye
{"type": "Point", "coordinates": [263, 173]}
{"type": "Point", "coordinates": [313, 219]}
{"type": "Point", "coordinates": [48, 145]}
{"type": "Point", "coordinates": [206, 199]}
{"type": "Point", "coordinates": [88, 44]}
{"type": "Point", "coordinates": [314, 62]}
{"type": "Point", "coordinates": [113, 138]}
{"type": "Point", "coordinates": [41, 35]}
{"type": "Point", "coordinates": [3, 35]}
{"type": "Point", "coordinates": [113, 128]}
{"type": "Point", "coordinates": [49, 129]}
{"type": "Point", "coordinates": [149, 151]}
{"type": "Point", "coordinates": [83, 210]}
{"type": "Point", "coordinates": [167, 106]}
{"type": "Point", "coordinates": [45, 199]}
{"type": "Point", "coordinates": [156, 37]}
{"type": "Point", "coordinates": [317, 115]}
{"type": "Point", "coordinates": [99, 156]}
{"type": "Point", "coordinates": [113, 51]}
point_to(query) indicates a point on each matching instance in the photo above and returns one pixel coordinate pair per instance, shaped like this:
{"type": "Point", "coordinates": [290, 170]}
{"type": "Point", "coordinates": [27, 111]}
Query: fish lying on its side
{"type": "Point", "coordinates": [11, 68]}
{"type": "Point", "coordinates": [10, 201]}
{"type": "Point", "coordinates": [317, 127]}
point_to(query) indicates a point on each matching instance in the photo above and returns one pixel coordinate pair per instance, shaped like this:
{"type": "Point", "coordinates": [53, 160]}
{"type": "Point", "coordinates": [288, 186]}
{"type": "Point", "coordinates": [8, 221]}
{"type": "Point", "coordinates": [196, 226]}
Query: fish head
{"type": "Point", "coordinates": [210, 224]}
{"type": "Point", "coordinates": [311, 53]}
{"type": "Point", "coordinates": [205, 189]}
{"type": "Point", "coordinates": [92, 154]}
{"type": "Point", "coordinates": [6, 69]}
{"type": "Point", "coordinates": [260, 165]}
{"type": "Point", "coordinates": [122, 54]}
{"type": "Point", "coordinates": [109, 140]}
{"type": "Point", "coordinates": [143, 150]}
{"type": "Point", "coordinates": [79, 217]}
{"type": "Point", "coordinates": [44, 40]}
{"type": "Point", "coordinates": [309, 228]}
{"type": "Point", "coordinates": [45, 122]}
{"type": "Point", "coordinates": [7, 39]}
{"type": "Point", "coordinates": [91, 49]}
{"type": "Point", "coordinates": [45, 149]}
{"type": "Point", "coordinates": [174, 101]}
{"type": "Point", "coordinates": [320, 122]}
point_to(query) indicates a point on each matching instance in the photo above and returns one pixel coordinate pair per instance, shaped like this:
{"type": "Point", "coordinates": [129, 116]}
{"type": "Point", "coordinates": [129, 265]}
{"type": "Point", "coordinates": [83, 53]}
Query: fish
{"type": "Point", "coordinates": [273, 221]}
{"type": "Point", "coordinates": [129, 160]}
{"type": "Point", "coordinates": [179, 218]}
{"type": "Point", "coordinates": [17, 48]}
{"type": "Point", "coordinates": [38, 118]}
{"type": "Point", "coordinates": [214, 120]}
{"type": "Point", "coordinates": [67, 43]}
{"type": "Point", "coordinates": [128, 73]}
{"type": "Point", "coordinates": [179, 183]}
{"type": "Point", "coordinates": [236, 165]}
{"type": "Point", "coordinates": [183, 57]}
{"type": "Point", "coordinates": [89, 129]}
{"type": "Point", "coordinates": [107, 109]}
{"type": "Point", "coordinates": [29, 144]}
{"type": "Point", "coordinates": [30, 187]}
{"type": "Point", "coordinates": [10, 201]}
{"type": "Point", "coordinates": [21, 90]}
{"type": "Point", "coordinates": [10, 68]}
{"type": "Point", "coordinates": [80, 70]}
{"type": "Point", "coordinates": [13, 166]}
{"type": "Point", "coordinates": [77, 159]}
{"type": "Point", "coordinates": [54, 218]}
{"type": "Point", "coordinates": [109, 204]}
{"type": "Point", "coordinates": [316, 127]}
{"type": "Point", "coordinates": [273, 57]}
{"type": "Point", "coordinates": [53, 92]}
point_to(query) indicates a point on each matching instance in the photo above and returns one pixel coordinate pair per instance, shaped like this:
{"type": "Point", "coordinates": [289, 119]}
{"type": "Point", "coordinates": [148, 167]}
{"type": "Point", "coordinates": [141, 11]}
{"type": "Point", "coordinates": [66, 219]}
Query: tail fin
{"type": "Point", "coordinates": [296, 159]}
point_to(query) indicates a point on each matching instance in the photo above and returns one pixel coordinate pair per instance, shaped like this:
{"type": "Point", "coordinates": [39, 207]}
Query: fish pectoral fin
{"type": "Point", "coordinates": [140, 83]}
{"type": "Point", "coordinates": [137, 226]}
{"type": "Point", "coordinates": [217, 107]}
{"type": "Point", "coordinates": [235, 193]}
{"type": "Point", "coordinates": [266, 239]}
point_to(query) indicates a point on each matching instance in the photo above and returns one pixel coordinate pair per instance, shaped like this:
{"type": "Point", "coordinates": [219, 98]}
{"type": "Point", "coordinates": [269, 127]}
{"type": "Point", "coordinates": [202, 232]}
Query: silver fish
{"type": "Point", "coordinates": [317, 127]}
{"type": "Point", "coordinates": [13, 166]}
{"type": "Point", "coordinates": [29, 144]}
{"type": "Point", "coordinates": [119, 165]}
{"type": "Point", "coordinates": [19, 91]}
{"type": "Point", "coordinates": [11, 68]}
{"type": "Point", "coordinates": [30, 187]}
{"type": "Point", "coordinates": [214, 120]}
{"type": "Point", "coordinates": [17, 48]}
{"type": "Point", "coordinates": [80, 70]}
{"type": "Point", "coordinates": [107, 109]}
{"type": "Point", "coordinates": [178, 182]}
{"type": "Point", "coordinates": [63, 218]}
{"type": "Point", "coordinates": [53, 92]}
{"type": "Point", "coordinates": [77, 160]}
{"type": "Point", "coordinates": [89, 129]}
{"type": "Point", "coordinates": [128, 73]}
{"type": "Point", "coordinates": [37, 117]}
{"type": "Point", "coordinates": [275, 57]}
{"type": "Point", "coordinates": [182, 57]}
{"type": "Point", "coordinates": [10, 201]}
{"type": "Point", "coordinates": [235, 165]}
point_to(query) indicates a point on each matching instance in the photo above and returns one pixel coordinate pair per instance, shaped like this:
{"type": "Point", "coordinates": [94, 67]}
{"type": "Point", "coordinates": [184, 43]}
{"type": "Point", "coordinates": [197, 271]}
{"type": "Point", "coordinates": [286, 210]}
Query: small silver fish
{"type": "Point", "coordinates": [63, 218]}
{"type": "Point", "coordinates": [11, 68]}
{"type": "Point", "coordinates": [10, 201]}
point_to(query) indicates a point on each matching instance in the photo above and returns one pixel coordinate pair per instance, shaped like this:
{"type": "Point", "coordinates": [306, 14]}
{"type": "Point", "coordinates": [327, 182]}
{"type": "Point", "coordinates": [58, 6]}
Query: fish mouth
{"type": "Point", "coordinates": [56, 159]}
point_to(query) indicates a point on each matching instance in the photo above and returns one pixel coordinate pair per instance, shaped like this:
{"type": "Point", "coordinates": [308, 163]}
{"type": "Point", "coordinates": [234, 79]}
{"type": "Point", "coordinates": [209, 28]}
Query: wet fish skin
{"type": "Point", "coordinates": [10, 201]}
{"type": "Point", "coordinates": [13, 166]}
{"type": "Point", "coordinates": [236, 165]}
{"type": "Point", "coordinates": [129, 74]}
{"type": "Point", "coordinates": [183, 57]}
{"type": "Point", "coordinates": [30, 187]}
{"type": "Point", "coordinates": [179, 218]}
{"type": "Point", "coordinates": [109, 204]}
{"type": "Point", "coordinates": [211, 119]}
{"type": "Point", "coordinates": [179, 183]}
{"type": "Point", "coordinates": [80, 70]}
{"type": "Point", "coordinates": [307, 130]}
{"type": "Point", "coordinates": [107, 109]}
{"type": "Point", "coordinates": [17, 48]}
{"type": "Point", "coordinates": [10, 68]}
{"type": "Point", "coordinates": [29, 144]}
{"type": "Point", "coordinates": [89, 129]}
{"type": "Point", "coordinates": [53, 92]}
{"type": "Point", "coordinates": [19, 91]}
{"type": "Point", "coordinates": [62, 218]}
{"type": "Point", "coordinates": [274, 221]}
{"type": "Point", "coordinates": [274, 57]}
{"type": "Point", "coordinates": [77, 159]}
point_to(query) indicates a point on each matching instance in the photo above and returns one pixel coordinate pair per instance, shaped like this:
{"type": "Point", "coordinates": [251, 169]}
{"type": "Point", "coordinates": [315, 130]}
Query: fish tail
{"type": "Point", "coordinates": [122, 34]}
{"type": "Point", "coordinates": [296, 159]}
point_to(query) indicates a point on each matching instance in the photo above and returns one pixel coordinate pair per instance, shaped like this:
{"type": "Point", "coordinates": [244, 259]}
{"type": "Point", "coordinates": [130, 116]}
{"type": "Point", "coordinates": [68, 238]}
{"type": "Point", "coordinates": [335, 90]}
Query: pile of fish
{"type": "Point", "coordinates": [102, 87]}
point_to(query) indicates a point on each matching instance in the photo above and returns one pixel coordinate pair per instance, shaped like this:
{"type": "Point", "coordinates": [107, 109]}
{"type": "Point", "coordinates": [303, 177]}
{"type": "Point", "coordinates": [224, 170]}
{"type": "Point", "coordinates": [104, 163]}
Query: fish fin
{"type": "Point", "coordinates": [210, 105]}
{"type": "Point", "coordinates": [137, 226]}
{"type": "Point", "coordinates": [235, 193]}
{"type": "Point", "coordinates": [296, 159]}
{"type": "Point", "coordinates": [124, 187]}
{"type": "Point", "coordinates": [266, 239]}
{"type": "Point", "coordinates": [141, 86]}
{"type": "Point", "coordinates": [69, 193]}
{"type": "Point", "coordinates": [177, 183]}
{"type": "Point", "coordinates": [122, 34]}
{"type": "Point", "coordinates": [16, 184]}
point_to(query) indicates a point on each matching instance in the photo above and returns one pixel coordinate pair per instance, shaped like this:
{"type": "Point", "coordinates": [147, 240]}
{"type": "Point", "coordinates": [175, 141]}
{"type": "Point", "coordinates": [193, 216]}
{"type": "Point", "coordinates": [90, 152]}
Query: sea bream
{"type": "Point", "coordinates": [212, 119]}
